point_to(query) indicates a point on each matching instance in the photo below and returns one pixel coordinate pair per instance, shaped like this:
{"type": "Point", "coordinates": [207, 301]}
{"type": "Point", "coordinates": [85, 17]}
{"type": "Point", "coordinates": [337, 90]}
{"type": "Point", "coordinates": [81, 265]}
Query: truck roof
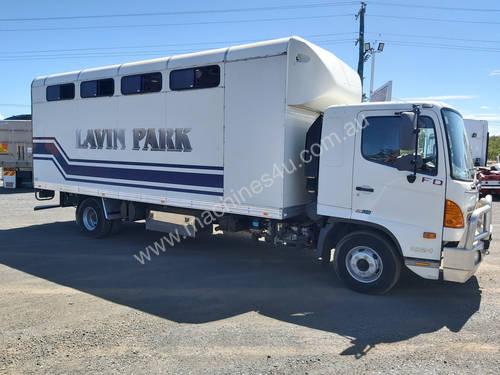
{"type": "Point", "coordinates": [315, 78]}
{"type": "Point", "coordinates": [234, 53]}
{"type": "Point", "coordinates": [399, 105]}
{"type": "Point", "coordinates": [246, 51]}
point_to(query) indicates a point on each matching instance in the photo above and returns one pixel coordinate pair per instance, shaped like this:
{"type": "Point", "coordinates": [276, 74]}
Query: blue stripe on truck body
{"type": "Point", "coordinates": [129, 185]}
{"type": "Point", "coordinates": [45, 151]}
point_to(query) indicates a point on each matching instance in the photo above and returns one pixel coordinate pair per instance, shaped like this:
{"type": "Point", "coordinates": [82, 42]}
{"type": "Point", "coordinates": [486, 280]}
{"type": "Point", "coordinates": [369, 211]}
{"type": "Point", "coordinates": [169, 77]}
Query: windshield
{"type": "Point", "coordinates": [462, 167]}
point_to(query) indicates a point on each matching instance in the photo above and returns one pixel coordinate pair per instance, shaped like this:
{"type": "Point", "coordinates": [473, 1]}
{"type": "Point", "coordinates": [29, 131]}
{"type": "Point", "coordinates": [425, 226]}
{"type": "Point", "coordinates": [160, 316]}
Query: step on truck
{"type": "Point", "coordinates": [270, 138]}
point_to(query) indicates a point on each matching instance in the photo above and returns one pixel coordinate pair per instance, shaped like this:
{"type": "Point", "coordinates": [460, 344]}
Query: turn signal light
{"type": "Point", "coordinates": [453, 217]}
{"type": "Point", "coordinates": [422, 264]}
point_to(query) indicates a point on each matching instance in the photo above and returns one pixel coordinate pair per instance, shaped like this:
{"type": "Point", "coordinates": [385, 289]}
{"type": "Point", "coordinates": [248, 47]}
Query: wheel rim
{"type": "Point", "coordinates": [90, 218]}
{"type": "Point", "coordinates": [364, 264]}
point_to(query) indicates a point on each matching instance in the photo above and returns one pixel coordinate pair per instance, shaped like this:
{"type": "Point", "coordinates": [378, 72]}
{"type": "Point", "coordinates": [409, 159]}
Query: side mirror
{"type": "Point", "coordinates": [407, 131]}
{"type": "Point", "coordinates": [408, 162]}
{"type": "Point", "coordinates": [409, 119]}
{"type": "Point", "coordinates": [409, 134]}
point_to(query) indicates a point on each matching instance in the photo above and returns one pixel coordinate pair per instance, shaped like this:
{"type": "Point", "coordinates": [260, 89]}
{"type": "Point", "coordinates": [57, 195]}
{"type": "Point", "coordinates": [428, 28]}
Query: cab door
{"type": "Point", "coordinates": [382, 194]}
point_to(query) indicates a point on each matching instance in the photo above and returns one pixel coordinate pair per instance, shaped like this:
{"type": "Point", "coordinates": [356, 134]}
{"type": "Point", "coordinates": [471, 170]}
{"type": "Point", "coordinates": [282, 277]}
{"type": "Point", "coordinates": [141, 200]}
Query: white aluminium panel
{"type": "Point", "coordinates": [256, 50]}
{"type": "Point", "coordinates": [38, 81]}
{"type": "Point", "coordinates": [61, 78]}
{"type": "Point", "coordinates": [318, 79]}
{"type": "Point", "coordinates": [336, 162]}
{"type": "Point", "coordinates": [53, 118]}
{"type": "Point", "coordinates": [197, 59]}
{"type": "Point", "coordinates": [147, 66]}
{"type": "Point", "coordinates": [92, 113]}
{"type": "Point", "coordinates": [254, 129]}
{"type": "Point", "coordinates": [202, 112]}
{"type": "Point", "coordinates": [38, 94]}
{"type": "Point", "coordinates": [99, 73]}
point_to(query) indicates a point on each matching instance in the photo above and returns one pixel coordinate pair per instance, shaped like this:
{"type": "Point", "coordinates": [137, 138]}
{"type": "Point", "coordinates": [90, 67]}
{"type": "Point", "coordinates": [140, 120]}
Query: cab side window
{"type": "Point", "coordinates": [385, 139]}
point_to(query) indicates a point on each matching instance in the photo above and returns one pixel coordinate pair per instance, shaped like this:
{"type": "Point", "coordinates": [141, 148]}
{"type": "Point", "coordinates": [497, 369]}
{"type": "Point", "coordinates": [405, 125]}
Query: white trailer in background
{"type": "Point", "coordinates": [269, 138]}
{"type": "Point", "coordinates": [477, 131]}
{"type": "Point", "coordinates": [16, 152]}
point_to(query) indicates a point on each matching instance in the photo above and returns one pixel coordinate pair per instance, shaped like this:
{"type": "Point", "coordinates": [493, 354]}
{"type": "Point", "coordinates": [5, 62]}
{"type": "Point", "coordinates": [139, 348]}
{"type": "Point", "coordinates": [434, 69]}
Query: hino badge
{"type": "Point", "coordinates": [269, 138]}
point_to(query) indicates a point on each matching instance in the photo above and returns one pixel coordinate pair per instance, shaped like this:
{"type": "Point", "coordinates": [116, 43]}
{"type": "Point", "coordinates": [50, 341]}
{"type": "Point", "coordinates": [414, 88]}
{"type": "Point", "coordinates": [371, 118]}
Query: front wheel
{"type": "Point", "coordinates": [367, 262]}
{"type": "Point", "coordinates": [91, 219]}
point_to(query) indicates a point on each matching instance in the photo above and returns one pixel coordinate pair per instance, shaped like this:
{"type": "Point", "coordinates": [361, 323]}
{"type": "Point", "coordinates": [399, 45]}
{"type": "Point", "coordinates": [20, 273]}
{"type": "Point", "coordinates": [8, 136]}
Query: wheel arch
{"type": "Point", "coordinates": [337, 228]}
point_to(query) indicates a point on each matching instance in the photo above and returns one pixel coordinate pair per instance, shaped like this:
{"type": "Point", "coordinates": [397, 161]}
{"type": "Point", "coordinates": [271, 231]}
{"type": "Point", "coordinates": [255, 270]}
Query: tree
{"type": "Point", "coordinates": [493, 147]}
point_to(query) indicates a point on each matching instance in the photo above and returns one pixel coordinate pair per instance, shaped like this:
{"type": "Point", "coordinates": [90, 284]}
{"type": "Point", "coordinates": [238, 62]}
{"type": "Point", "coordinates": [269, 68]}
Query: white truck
{"type": "Point", "coordinates": [16, 151]}
{"type": "Point", "coordinates": [269, 138]}
{"type": "Point", "coordinates": [477, 131]}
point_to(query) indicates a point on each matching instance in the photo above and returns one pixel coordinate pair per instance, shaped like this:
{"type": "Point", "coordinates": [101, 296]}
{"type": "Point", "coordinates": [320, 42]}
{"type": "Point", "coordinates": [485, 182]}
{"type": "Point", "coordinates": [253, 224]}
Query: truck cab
{"type": "Point", "coordinates": [402, 176]}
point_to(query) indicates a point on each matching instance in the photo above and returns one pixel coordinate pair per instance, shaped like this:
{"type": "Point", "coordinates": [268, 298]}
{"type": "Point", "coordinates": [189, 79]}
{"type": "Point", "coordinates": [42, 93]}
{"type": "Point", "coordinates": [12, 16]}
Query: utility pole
{"type": "Point", "coordinates": [361, 40]}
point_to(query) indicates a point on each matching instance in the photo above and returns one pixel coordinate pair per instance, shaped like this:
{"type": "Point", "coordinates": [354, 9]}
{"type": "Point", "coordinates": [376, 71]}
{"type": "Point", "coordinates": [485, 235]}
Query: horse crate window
{"type": "Point", "coordinates": [195, 78]}
{"type": "Point", "coordinates": [141, 83]}
{"type": "Point", "coordinates": [60, 92]}
{"type": "Point", "coordinates": [96, 88]}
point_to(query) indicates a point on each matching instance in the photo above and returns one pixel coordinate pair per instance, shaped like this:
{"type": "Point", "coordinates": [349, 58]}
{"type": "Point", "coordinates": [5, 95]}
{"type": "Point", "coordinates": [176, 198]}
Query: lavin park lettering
{"type": "Point", "coordinates": [146, 139]}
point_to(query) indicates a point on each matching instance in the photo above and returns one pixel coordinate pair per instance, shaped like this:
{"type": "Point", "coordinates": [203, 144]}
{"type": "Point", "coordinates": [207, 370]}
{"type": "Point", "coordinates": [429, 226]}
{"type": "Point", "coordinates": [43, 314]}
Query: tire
{"type": "Point", "coordinates": [90, 217]}
{"type": "Point", "coordinates": [367, 262]}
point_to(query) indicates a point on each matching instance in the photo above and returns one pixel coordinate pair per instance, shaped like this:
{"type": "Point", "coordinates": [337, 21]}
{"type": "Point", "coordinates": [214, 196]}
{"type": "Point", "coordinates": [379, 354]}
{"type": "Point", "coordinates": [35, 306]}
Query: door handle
{"type": "Point", "coordinates": [363, 188]}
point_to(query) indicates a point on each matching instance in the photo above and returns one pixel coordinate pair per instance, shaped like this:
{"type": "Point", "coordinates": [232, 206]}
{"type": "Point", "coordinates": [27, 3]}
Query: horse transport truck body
{"type": "Point", "coordinates": [269, 138]}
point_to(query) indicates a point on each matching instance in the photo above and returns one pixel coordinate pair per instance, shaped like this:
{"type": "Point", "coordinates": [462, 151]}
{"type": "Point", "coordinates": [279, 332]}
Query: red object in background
{"type": "Point", "coordinates": [490, 181]}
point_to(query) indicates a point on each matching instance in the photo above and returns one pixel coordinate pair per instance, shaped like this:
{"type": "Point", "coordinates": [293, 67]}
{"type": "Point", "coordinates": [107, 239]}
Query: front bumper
{"type": "Point", "coordinates": [490, 189]}
{"type": "Point", "coordinates": [460, 263]}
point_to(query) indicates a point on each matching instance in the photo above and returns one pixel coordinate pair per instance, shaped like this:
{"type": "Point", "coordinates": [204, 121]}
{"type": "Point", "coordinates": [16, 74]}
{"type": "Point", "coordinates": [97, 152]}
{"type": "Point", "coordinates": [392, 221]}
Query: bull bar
{"type": "Point", "coordinates": [460, 263]}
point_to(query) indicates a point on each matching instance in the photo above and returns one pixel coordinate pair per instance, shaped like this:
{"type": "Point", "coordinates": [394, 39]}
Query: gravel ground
{"type": "Point", "coordinates": [221, 305]}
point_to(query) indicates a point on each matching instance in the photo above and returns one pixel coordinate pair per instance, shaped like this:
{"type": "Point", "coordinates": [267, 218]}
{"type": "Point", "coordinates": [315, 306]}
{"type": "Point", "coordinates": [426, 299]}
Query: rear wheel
{"type": "Point", "coordinates": [367, 262]}
{"type": "Point", "coordinates": [91, 219]}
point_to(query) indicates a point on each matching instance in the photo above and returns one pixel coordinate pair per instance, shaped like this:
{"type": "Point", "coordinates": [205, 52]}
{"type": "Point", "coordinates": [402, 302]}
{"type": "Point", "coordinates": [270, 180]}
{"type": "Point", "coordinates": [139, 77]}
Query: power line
{"type": "Point", "coordinates": [438, 37]}
{"type": "Point", "coordinates": [160, 53]}
{"type": "Point", "coordinates": [187, 12]}
{"type": "Point", "coordinates": [384, 3]}
{"type": "Point", "coordinates": [177, 24]}
{"type": "Point", "coordinates": [435, 19]}
{"type": "Point", "coordinates": [441, 46]}
{"type": "Point", "coordinates": [242, 21]}
{"type": "Point", "coordinates": [156, 53]}
{"type": "Point", "coordinates": [232, 42]}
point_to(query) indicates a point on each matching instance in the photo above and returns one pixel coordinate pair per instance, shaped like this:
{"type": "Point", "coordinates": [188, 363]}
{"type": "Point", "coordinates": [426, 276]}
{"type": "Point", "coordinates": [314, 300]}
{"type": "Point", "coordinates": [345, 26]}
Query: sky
{"type": "Point", "coordinates": [445, 50]}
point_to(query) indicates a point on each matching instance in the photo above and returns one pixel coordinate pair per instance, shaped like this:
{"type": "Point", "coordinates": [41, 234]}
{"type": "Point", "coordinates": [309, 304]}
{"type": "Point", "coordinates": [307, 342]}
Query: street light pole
{"type": "Point", "coordinates": [371, 52]}
{"type": "Point", "coordinates": [373, 73]}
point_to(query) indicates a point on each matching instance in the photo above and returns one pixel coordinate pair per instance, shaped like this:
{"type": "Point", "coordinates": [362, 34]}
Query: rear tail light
{"type": "Point", "coordinates": [453, 217]}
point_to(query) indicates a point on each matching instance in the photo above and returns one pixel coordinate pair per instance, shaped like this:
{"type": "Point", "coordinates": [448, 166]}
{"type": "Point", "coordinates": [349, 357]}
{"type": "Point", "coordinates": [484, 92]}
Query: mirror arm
{"type": "Point", "coordinates": [412, 177]}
